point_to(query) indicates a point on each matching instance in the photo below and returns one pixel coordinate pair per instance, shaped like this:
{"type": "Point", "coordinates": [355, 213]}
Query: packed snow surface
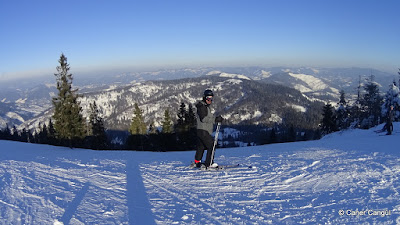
{"type": "Point", "coordinates": [346, 177]}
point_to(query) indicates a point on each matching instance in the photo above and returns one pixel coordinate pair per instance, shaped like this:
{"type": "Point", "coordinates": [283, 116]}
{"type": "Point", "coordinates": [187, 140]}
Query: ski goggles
{"type": "Point", "coordinates": [209, 98]}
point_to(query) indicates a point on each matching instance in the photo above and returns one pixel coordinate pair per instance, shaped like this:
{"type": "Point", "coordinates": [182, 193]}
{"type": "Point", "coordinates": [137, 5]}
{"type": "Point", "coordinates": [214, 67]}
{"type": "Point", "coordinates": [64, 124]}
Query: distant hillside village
{"type": "Point", "coordinates": [266, 113]}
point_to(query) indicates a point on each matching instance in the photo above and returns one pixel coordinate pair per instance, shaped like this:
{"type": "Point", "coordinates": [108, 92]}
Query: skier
{"type": "Point", "coordinates": [389, 121]}
{"type": "Point", "coordinates": [205, 124]}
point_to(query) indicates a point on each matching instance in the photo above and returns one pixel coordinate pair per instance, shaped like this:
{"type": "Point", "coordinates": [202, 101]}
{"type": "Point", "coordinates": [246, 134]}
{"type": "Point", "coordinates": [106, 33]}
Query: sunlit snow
{"type": "Point", "coordinates": [349, 177]}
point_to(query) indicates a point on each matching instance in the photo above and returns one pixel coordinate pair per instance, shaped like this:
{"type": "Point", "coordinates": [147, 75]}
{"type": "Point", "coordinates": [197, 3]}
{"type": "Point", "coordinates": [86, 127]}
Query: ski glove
{"type": "Point", "coordinates": [219, 119]}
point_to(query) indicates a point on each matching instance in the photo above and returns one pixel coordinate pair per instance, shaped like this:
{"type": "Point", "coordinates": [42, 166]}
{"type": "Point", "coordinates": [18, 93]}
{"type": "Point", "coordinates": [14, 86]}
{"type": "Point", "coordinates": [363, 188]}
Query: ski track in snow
{"type": "Point", "coordinates": [286, 189]}
{"type": "Point", "coordinates": [297, 183]}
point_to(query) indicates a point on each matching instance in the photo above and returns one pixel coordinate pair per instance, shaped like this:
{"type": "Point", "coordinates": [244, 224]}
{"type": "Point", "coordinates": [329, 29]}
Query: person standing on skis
{"type": "Point", "coordinates": [205, 125]}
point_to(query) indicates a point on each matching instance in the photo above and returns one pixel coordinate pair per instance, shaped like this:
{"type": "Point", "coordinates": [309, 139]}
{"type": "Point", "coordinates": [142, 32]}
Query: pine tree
{"type": "Point", "coordinates": [392, 98]}
{"type": "Point", "coordinates": [68, 121]}
{"type": "Point", "coordinates": [342, 99]}
{"type": "Point", "coordinates": [192, 131]}
{"type": "Point", "coordinates": [186, 119]}
{"type": "Point", "coordinates": [138, 127]}
{"type": "Point", "coordinates": [342, 113]}
{"type": "Point", "coordinates": [191, 117]}
{"type": "Point", "coordinates": [7, 133]}
{"type": "Point", "coordinates": [15, 136]}
{"type": "Point", "coordinates": [51, 133]}
{"type": "Point", "coordinates": [43, 135]}
{"type": "Point", "coordinates": [272, 136]}
{"type": "Point", "coordinates": [137, 130]}
{"type": "Point", "coordinates": [167, 123]}
{"type": "Point", "coordinates": [24, 135]}
{"type": "Point", "coordinates": [355, 110]}
{"type": "Point", "coordinates": [96, 129]}
{"type": "Point", "coordinates": [292, 134]}
{"type": "Point", "coordinates": [371, 104]}
{"type": "Point", "coordinates": [328, 124]}
{"type": "Point", "coordinates": [186, 127]}
{"type": "Point", "coordinates": [181, 122]}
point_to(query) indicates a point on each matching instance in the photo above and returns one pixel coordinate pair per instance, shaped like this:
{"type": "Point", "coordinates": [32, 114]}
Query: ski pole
{"type": "Point", "coordinates": [215, 142]}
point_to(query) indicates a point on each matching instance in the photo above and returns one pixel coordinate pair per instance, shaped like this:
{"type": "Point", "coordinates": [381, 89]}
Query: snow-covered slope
{"type": "Point", "coordinates": [354, 173]}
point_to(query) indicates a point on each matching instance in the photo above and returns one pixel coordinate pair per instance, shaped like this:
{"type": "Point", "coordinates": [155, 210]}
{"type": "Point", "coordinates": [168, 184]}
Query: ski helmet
{"type": "Point", "coordinates": [208, 92]}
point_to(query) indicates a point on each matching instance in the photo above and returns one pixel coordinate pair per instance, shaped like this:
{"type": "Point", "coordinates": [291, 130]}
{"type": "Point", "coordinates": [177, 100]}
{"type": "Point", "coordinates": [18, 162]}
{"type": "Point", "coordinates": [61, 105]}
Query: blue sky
{"type": "Point", "coordinates": [127, 35]}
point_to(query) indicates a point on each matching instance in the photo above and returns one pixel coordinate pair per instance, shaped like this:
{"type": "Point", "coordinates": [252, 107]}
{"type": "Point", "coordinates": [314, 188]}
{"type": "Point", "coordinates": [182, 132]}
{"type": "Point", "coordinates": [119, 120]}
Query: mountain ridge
{"type": "Point", "coordinates": [237, 100]}
{"type": "Point", "coordinates": [28, 103]}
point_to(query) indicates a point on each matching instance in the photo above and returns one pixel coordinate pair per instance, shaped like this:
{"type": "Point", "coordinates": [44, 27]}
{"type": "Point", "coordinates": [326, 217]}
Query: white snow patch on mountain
{"type": "Point", "coordinates": [239, 76]}
{"type": "Point", "coordinates": [205, 82]}
{"type": "Point", "coordinates": [3, 123]}
{"type": "Point", "coordinates": [214, 72]}
{"type": "Point", "coordinates": [229, 75]}
{"type": "Point", "coordinates": [13, 115]}
{"type": "Point", "coordinates": [302, 88]}
{"type": "Point", "coordinates": [146, 89]}
{"type": "Point", "coordinates": [335, 91]}
{"type": "Point", "coordinates": [257, 114]}
{"type": "Point", "coordinates": [21, 101]}
{"type": "Point", "coordinates": [234, 81]}
{"type": "Point", "coordinates": [219, 86]}
{"type": "Point", "coordinates": [298, 108]}
{"type": "Point", "coordinates": [316, 71]}
{"type": "Point", "coordinates": [188, 97]}
{"type": "Point", "coordinates": [265, 74]}
{"type": "Point", "coordinates": [112, 87]}
{"type": "Point", "coordinates": [275, 118]}
{"type": "Point", "coordinates": [102, 101]}
{"type": "Point", "coordinates": [247, 116]}
{"type": "Point", "coordinates": [313, 83]}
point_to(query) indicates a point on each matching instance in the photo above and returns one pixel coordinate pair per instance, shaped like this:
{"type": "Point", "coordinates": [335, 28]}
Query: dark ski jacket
{"type": "Point", "coordinates": [390, 116]}
{"type": "Point", "coordinates": [205, 118]}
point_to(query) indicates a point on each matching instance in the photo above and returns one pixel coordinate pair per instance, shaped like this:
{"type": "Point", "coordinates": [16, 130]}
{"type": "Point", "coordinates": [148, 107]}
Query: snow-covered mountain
{"type": "Point", "coordinates": [22, 101]}
{"type": "Point", "coordinates": [325, 84]}
{"type": "Point", "coordinates": [20, 105]}
{"type": "Point", "coordinates": [238, 99]}
{"type": "Point", "coordinates": [349, 177]}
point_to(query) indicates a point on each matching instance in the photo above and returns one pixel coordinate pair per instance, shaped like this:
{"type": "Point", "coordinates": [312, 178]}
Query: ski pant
{"type": "Point", "coordinates": [389, 127]}
{"type": "Point", "coordinates": [204, 142]}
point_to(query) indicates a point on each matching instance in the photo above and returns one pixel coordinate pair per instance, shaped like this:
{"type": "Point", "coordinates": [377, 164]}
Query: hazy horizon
{"type": "Point", "coordinates": [85, 74]}
{"type": "Point", "coordinates": [140, 35]}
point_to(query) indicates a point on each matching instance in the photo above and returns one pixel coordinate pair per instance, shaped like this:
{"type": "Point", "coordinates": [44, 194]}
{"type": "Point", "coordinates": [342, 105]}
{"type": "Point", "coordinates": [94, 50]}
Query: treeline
{"type": "Point", "coordinates": [171, 136]}
{"type": "Point", "coordinates": [249, 135]}
{"type": "Point", "coordinates": [368, 110]}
